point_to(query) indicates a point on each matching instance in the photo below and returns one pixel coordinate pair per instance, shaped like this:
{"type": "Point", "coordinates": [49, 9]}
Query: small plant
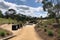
{"type": "Point", "coordinates": [2, 34]}
{"type": "Point", "coordinates": [50, 33]}
{"type": "Point", "coordinates": [45, 25]}
{"type": "Point", "coordinates": [45, 30]}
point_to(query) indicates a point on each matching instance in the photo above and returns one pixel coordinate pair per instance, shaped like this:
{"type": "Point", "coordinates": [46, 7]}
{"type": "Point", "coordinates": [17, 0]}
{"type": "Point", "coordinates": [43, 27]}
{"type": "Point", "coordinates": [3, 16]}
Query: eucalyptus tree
{"type": "Point", "coordinates": [53, 8]}
{"type": "Point", "coordinates": [10, 13]}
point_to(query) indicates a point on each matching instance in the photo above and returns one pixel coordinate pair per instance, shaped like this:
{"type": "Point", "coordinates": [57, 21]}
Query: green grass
{"type": "Point", "coordinates": [4, 21]}
{"type": "Point", "coordinates": [49, 21]}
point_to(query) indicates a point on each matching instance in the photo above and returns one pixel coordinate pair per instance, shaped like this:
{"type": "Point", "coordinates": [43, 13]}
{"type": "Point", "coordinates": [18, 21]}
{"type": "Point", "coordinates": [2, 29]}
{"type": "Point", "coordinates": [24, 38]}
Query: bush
{"type": "Point", "coordinates": [45, 25]}
{"type": "Point", "coordinates": [45, 30]}
{"type": "Point", "coordinates": [50, 33]}
{"type": "Point", "coordinates": [2, 34]}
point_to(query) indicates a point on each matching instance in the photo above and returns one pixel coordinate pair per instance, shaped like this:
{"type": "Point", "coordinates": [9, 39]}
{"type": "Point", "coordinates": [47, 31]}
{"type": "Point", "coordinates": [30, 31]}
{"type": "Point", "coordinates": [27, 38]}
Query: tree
{"type": "Point", "coordinates": [10, 13]}
{"type": "Point", "coordinates": [54, 9]}
{"type": "Point", "coordinates": [41, 19]}
{"type": "Point", "coordinates": [1, 15]}
{"type": "Point", "coordinates": [51, 14]}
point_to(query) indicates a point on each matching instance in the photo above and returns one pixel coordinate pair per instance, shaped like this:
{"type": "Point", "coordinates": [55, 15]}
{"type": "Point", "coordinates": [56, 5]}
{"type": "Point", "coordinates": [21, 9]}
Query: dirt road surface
{"type": "Point", "coordinates": [26, 33]}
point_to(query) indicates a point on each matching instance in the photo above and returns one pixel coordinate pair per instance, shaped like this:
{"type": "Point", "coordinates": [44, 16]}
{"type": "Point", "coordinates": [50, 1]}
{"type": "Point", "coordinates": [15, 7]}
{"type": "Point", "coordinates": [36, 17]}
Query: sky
{"type": "Point", "coordinates": [27, 7]}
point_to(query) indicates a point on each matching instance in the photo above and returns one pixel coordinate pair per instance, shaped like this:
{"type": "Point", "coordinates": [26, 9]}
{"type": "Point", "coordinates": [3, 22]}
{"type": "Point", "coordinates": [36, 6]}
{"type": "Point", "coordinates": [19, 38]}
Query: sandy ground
{"type": "Point", "coordinates": [26, 33]}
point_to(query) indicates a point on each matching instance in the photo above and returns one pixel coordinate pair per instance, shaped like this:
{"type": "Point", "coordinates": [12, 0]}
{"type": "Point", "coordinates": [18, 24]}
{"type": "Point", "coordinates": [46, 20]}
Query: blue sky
{"type": "Point", "coordinates": [26, 7]}
{"type": "Point", "coordinates": [31, 3]}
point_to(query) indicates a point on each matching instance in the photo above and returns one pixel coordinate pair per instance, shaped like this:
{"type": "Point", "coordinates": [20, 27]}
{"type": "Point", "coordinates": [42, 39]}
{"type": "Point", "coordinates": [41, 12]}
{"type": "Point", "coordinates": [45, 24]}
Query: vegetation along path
{"type": "Point", "coordinates": [26, 33]}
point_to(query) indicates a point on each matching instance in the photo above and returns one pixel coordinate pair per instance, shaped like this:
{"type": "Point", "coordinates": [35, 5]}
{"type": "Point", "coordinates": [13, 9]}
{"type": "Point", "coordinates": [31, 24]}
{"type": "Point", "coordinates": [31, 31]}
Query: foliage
{"type": "Point", "coordinates": [49, 21]}
{"type": "Point", "coordinates": [10, 13]}
{"type": "Point", "coordinates": [12, 17]}
{"type": "Point", "coordinates": [45, 30]}
{"type": "Point", "coordinates": [50, 33]}
{"type": "Point", "coordinates": [51, 14]}
{"type": "Point", "coordinates": [1, 15]}
{"type": "Point", "coordinates": [2, 33]}
{"type": "Point", "coordinates": [53, 10]}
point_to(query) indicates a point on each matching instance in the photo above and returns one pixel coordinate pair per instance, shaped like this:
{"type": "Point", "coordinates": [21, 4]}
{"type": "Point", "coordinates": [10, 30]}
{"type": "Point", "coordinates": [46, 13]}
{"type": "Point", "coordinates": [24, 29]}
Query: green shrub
{"type": "Point", "coordinates": [45, 30]}
{"type": "Point", "coordinates": [50, 33]}
{"type": "Point", "coordinates": [2, 34]}
{"type": "Point", "coordinates": [45, 25]}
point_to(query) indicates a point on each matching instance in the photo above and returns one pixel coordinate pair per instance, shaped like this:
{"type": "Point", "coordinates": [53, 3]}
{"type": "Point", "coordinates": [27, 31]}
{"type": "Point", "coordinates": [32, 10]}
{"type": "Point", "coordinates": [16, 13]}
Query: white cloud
{"type": "Point", "coordinates": [38, 0]}
{"type": "Point", "coordinates": [1, 0]}
{"type": "Point", "coordinates": [9, 4]}
{"type": "Point", "coordinates": [23, 9]}
{"type": "Point", "coordinates": [23, 0]}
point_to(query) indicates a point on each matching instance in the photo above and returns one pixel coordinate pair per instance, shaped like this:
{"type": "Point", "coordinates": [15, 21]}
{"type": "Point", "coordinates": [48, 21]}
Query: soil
{"type": "Point", "coordinates": [26, 33]}
{"type": "Point", "coordinates": [5, 32]}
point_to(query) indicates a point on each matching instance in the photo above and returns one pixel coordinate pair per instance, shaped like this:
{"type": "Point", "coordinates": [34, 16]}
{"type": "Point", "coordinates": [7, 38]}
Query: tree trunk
{"type": "Point", "coordinates": [57, 20]}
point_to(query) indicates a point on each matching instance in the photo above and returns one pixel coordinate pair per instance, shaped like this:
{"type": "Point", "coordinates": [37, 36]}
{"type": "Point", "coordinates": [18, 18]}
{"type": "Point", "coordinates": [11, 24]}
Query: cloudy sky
{"type": "Point", "coordinates": [26, 7]}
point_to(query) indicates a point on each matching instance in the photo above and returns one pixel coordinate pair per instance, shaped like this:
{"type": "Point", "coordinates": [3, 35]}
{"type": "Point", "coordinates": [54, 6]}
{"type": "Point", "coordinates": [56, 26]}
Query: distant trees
{"type": "Point", "coordinates": [11, 14]}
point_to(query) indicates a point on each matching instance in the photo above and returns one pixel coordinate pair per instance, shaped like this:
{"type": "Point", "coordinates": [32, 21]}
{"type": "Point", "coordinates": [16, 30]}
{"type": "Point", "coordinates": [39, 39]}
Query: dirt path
{"type": "Point", "coordinates": [26, 33]}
